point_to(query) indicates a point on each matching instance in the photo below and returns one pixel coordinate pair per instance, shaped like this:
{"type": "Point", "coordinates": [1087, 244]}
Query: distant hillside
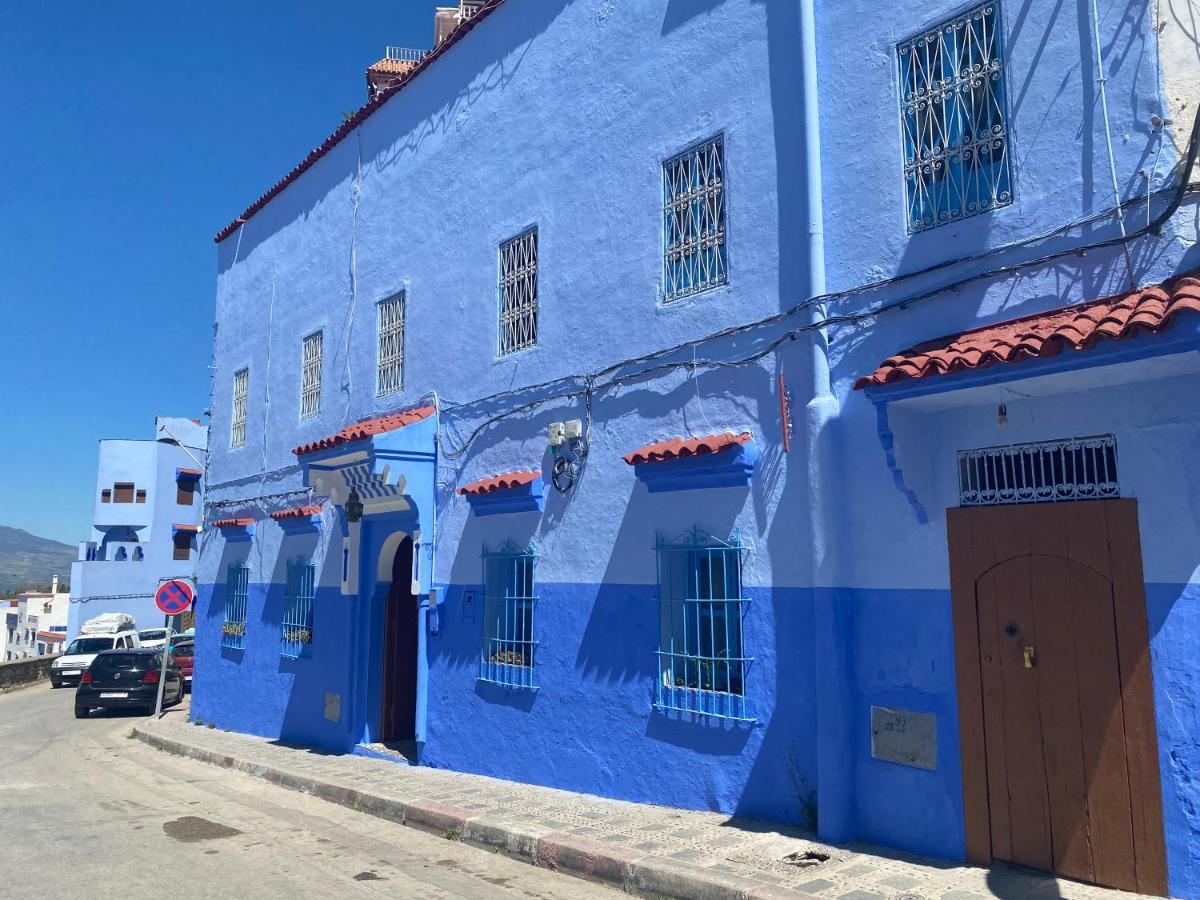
{"type": "Point", "coordinates": [26, 559]}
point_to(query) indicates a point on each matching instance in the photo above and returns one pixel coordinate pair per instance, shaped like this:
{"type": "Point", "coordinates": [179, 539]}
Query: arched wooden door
{"type": "Point", "coordinates": [398, 712]}
{"type": "Point", "coordinates": [1056, 706]}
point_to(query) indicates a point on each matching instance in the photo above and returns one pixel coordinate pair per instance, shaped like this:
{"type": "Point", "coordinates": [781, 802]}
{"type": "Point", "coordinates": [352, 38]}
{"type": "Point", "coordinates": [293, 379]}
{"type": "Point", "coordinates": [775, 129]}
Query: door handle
{"type": "Point", "coordinates": [1029, 657]}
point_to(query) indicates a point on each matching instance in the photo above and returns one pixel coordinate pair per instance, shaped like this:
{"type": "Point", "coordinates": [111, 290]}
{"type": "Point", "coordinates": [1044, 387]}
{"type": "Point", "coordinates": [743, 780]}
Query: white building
{"type": "Point", "coordinates": [35, 623]}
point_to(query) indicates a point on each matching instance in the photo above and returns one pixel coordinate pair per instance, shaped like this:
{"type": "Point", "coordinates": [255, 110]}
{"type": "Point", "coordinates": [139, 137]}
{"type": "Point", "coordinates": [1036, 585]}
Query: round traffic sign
{"type": "Point", "coordinates": [173, 597]}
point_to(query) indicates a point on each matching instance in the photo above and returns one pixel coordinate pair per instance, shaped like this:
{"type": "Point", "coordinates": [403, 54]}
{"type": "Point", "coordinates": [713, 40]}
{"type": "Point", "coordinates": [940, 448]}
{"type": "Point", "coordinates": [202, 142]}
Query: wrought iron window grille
{"type": "Point", "coordinates": [237, 590]}
{"type": "Point", "coordinates": [702, 661]}
{"type": "Point", "coordinates": [694, 229]}
{"type": "Point", "coordinates": [1043, 472]}
{"type": "Point", "coordinates": [509, 644]}
{"type": "Point", "coordinates": [241, 392]}
{"type": "Point", "coordinates": [390, 379]}
{"type": "Point", "coordinates": [297, 627]}
{"type": "Point", "coordinates": [310, 376]}
{"type": "Point", "coordinates": [518, 293]}
{"type": "Point", "coordinates": [954, 119]}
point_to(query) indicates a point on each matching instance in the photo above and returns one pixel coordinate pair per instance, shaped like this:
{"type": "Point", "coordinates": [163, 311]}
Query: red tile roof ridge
{"type": "Point", "coordinates": [680, 448]}
{"type": "Point", "coordinates": [239, 522]}
{"type": "Point", "coordinates": [368, 427]}
{"type": "Point", "coordinates": [503, 481]}
{"type": "Point", "coordinates": [358, 118]}
{"type": "Point", "coordinates": [185, 527]}
{"type": "Point", "coordinates": [1077, 327]}
{"type": "Point", "coordinates": [297, 512]}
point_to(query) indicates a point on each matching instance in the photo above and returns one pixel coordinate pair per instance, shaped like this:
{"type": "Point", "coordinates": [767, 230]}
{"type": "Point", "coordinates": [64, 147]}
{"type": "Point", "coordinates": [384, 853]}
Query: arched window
{"type": "Point", "coordinates": [138, 554]}
{"type": "Point", "coordinates": [121, 555]}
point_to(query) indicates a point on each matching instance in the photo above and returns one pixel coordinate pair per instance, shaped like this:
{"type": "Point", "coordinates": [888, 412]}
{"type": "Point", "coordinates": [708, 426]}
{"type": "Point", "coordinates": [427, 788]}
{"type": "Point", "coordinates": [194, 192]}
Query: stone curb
{"type": "Point", "coordinates": [628, 871]}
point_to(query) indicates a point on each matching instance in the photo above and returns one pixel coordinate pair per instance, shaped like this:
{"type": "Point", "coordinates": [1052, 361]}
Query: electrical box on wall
{"type": "Point", "coordinates": [573, 429]}
{"type": "Point", "coordinates": [557, 434]}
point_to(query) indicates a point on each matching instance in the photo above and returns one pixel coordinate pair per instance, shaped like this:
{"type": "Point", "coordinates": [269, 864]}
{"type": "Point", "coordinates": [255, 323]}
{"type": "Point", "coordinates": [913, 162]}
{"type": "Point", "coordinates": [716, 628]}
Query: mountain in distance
{"type": "Point", "coordinates": [27, 560]}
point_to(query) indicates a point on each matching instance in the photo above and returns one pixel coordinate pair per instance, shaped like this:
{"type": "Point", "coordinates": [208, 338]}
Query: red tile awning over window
{"type": "Point", "coordinates": [365, 429]}
{"type": "Point", "coordinates": [242, 522]}
{"type": "Point", "coordinates": [680, 448]}
{"type": "Point", "coordinates": [188, 473]}
{"type": "Point", "coordinates": [1080, 327]}
{"type": "Point", "coordinates": [188, 528]}
{"type": "Point", "coordinates": [297, 512]}
{"type": "Point", "coordinates": [500, 482]}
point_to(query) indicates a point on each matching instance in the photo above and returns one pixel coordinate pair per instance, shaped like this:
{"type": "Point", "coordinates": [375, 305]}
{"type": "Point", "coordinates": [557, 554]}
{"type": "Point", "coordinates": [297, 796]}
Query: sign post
{"type": "Point", "coordinates": [171, 598]}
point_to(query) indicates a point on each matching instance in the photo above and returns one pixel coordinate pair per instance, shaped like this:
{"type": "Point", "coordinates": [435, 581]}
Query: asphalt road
{"type": "Point", "coordinates": [87, 812]}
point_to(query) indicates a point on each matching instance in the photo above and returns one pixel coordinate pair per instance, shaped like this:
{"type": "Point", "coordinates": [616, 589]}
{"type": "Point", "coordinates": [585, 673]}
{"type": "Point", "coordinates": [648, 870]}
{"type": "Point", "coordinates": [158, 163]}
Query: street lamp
{"type": "Point", "coordinates": [353, 507]}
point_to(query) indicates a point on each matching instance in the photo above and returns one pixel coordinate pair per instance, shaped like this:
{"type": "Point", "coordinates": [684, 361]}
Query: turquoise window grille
{"type": "Point", "coordinates": [953, 116]}
{"type": "Point", "coordinates": [694, 234]}
{"type": "Point", "coordinates": [237, 589]}
{"type": "Point", "coordinates": [297, 629]}
{"type": "Point", "coordinates": [509, 648]}
{"type": "Point", "coordinates": [702, 663]}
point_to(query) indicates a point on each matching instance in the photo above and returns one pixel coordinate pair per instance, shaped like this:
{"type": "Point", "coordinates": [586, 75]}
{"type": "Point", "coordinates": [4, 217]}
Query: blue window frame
{"type": "Point", "coordinates": [954, 119]}
{"type": "Point", "coordinates": [694, 232]}
{"type": "Point", "coordinates": [297, 628]}
{"type": "Point", "coordinates": [509, 647]}
{"type": "Point", "coordinates": [237, 589]}
{"type": "Point", "coordinates": [702, 662]}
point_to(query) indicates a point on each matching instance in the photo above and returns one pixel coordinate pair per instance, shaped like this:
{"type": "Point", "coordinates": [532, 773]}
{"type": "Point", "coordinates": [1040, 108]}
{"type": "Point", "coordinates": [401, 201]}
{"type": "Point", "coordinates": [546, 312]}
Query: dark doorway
{"type": "Point", "coordinates": [398, 716]}
{"type": "Point", "coordinates": [1056, 706]}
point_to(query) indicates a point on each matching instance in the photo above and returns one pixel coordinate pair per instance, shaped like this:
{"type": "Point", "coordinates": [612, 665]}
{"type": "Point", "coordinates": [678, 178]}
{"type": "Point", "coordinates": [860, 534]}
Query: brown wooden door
{"type": "Point", "coordinates": [1060, 754]}
{"type": "Point", "coordinates": [398, 713]}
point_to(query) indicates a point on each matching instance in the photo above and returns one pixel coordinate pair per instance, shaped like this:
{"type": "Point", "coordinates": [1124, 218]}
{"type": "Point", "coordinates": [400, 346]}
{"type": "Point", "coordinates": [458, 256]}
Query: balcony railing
{"type": "Point", "coordinates": [406, 54]}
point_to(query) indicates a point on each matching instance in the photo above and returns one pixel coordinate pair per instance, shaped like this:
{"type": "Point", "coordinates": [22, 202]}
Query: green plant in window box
{"type": "Point", "coordinates": [298, 635]}
{"type": "Point", "coordinates": [234, 629]}
{"type": "Point", "coordinates": [509, 658]}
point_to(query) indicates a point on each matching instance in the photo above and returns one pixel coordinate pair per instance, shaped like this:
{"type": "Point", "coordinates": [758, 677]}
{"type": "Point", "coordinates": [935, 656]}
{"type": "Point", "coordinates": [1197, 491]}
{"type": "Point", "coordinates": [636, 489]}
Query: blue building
{"type": "Point", "coordinates": [148, 506]}
{"type": "Point", "coordinates": [701, 404]}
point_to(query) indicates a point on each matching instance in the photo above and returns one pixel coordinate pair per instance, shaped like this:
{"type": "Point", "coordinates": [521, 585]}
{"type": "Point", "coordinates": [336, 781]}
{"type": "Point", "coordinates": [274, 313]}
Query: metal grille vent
{"type": "Point", "coordinates": [518, 293]}
{"type": "Point", "coordinates": [391, 345]}
{"type": "Point", "coordinates": [1045, 472]}
{"type": "Point", "coordinates": [694, 226]}
{"type": "Point", "coordinates": [310, 376]}
{"type": "Point", "coordinates": [241, 390]}
{"type": "Point", "coordinates": [953, 119]}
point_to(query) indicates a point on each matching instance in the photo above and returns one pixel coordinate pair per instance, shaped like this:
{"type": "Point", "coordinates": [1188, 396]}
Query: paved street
{"type": "Point", "coordinates": [84, 811]}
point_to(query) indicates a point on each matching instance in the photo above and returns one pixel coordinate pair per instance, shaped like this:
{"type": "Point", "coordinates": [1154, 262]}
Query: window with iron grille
{"type": "Point", "coordinates": [391, 345]}
{"type": "Point", "coordinates": [310, 376]}
{"type": "Point", "coordinates": [1044, 472]}
{"type": "Point", "coordinates": [297, 630]}
{"type": "Point", "coordinates": [241, 392]}
{"type": "Point", "coordinates": [702, 662]}
{"type": "Point", "coordinates": [237, 591]}
{"type": "Point", "coordinates": [518, 293]}
{"type": "Point", "coordinates": [508, 606]}
{"type": "Point", "coordinates": [953, 115]}
{"type": "Point", "coordinates": [694, 258]}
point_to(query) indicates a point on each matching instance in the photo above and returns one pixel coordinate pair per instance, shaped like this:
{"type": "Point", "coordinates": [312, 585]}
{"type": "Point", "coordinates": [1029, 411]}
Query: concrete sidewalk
{"type": "Point", "coordinates": [645, 850]}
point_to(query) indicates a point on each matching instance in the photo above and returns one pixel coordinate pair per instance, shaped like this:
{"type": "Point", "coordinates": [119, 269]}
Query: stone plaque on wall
{"type": "Point", "coordinates": [333, 707]}
{"type": "Point", "coordinates": [905, 737]}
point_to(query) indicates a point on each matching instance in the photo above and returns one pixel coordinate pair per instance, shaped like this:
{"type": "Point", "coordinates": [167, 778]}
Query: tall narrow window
{"type": "Point", "coordinates": [508, 606]}
{"type": "Point", "coordinates": [297, 629]}
{"type": "Point", "coordinates": [391, 345]}
{"type": "Point", "coordinates": [954, 120]}
{"type": "Point", "coordinates": [518, 293]}
{"type": "Point", "coordinates": [237, 589]}
{"type": "Point", "coordinates": [123, 492]}
{"type": "Point", "coordinates": [702, 662]}
{"type": "Point", "coordinates": [106, 495]}
{"type": "Point", "coordinates": [310, 376]}
{"type": "Point", "coordinates": [694, 257]}
{"type": "Point", "coordinates": [241, 393]}
{"type": "Point", "coordinates": [140, 495]}
{"type": "Point", "coordinates": [182, 545]}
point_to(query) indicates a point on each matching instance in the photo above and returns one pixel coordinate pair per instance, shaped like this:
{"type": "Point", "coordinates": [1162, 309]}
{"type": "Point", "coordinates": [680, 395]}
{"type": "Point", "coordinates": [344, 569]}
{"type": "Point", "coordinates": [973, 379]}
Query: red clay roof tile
{"type": "Point", "coordinates": [297, 512]}
{"type": "Point", "coordinates": [366, 428]}
{"type": "Point", "coordinates": [188, 473]}
{"type": "Point", "coordinates": [347, 127]}
{"type": "Point", "coordinates": [192, 528]}
{"type": "Point", "coordinates": [501, 482]}
{"type": "Point", "coordinates": [679, 448]}
{"type": "Point", "coordinates": [1079, 327]}
{"type": "Point", "coordinates": [241, 522]}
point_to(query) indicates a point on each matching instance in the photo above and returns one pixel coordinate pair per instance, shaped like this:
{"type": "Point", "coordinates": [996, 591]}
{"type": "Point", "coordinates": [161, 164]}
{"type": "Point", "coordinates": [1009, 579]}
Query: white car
{"type": "Point", "coordinates": [152, 637]}
{"type": "Point", "coordinates": [69, 667]}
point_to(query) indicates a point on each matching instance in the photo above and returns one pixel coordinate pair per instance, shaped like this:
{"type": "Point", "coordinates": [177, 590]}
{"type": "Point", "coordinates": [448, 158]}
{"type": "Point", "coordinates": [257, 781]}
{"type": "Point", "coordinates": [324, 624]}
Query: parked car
{"type": "Point", "coordinates": [152, 637]}
{"type": "Point", "coordinates": [127, 679]}
{"type": "Point", "coordinates": [183, 652]}
{"type": "Point", "coordinates": [113, 632]}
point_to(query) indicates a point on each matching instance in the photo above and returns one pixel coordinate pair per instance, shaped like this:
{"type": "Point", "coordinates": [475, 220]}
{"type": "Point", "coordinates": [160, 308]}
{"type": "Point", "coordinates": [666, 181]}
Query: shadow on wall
{"type": "Point", "coordinates": [430, 105]}
{"type": "Point", "coordinates": [681, 12]}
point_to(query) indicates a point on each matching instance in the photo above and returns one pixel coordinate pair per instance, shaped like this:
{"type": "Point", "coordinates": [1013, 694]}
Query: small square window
{"type": "Point", "coordinates": [185, 491]}
{"type": "Point", "coordinates": [954, 120]}
{"type": "Point", "coordinates": [140, 496]}
{"type": "Point", "coordinates": [182, 545]}
{"type": "Point", "coordinates": [694, 256]}
{"type": "Point", "coordinates": [518, 293]}
{"type": "Point", "coordinates": [123, 492]}
{"type": "Point", "coordinates": [106, 496]}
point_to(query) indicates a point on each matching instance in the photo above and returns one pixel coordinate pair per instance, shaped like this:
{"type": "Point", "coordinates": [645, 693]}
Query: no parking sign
{"type": "Point", "coordinates": [173, 597]}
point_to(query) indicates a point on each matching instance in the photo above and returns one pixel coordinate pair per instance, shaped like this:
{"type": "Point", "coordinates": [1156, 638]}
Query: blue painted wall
{"type": "Point", "coordinates": [558, 114]}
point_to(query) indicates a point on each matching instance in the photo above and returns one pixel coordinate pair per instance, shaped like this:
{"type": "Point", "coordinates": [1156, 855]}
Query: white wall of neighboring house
{"type": "Point", "coordinates": [23, 617]}
{"type": "Point", "coordinates": [1178, 25]}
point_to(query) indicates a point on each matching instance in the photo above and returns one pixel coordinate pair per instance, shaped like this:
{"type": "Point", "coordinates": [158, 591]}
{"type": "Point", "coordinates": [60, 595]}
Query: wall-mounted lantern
{"type": "Point", "coordinates": [354, 507]}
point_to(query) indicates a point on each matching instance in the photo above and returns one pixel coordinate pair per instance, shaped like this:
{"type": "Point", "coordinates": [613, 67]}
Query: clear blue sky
{"type": "Point", "coordinates": [131, 132]}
